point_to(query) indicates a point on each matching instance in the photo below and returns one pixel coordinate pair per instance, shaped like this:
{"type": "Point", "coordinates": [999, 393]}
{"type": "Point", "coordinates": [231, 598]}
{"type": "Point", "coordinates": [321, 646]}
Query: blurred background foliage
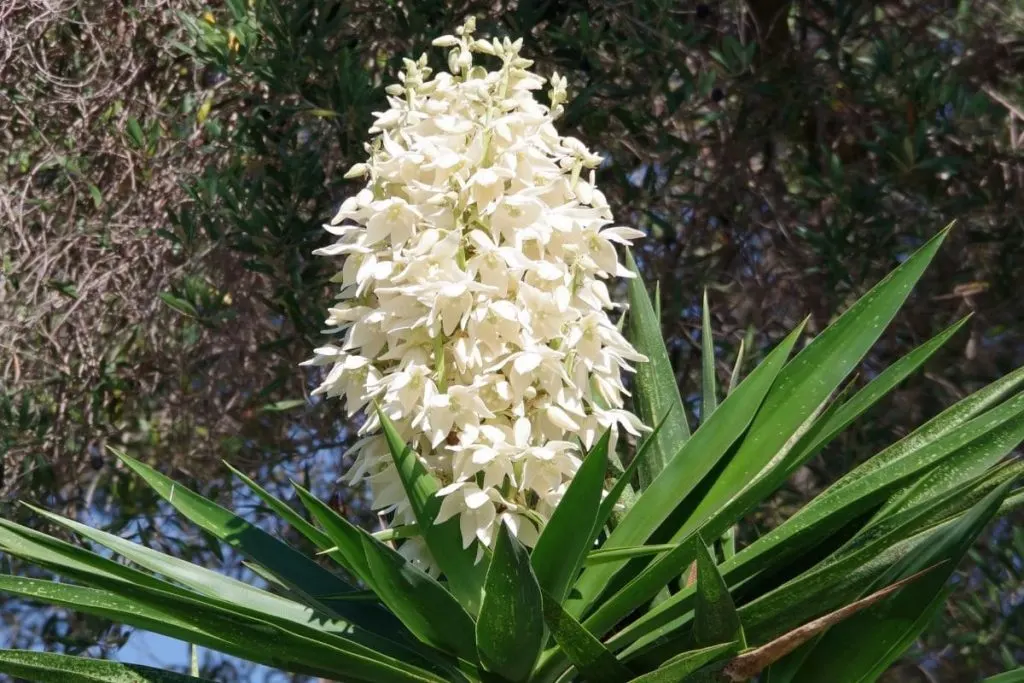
{"type": "Point", "coordinates": [168, 163]}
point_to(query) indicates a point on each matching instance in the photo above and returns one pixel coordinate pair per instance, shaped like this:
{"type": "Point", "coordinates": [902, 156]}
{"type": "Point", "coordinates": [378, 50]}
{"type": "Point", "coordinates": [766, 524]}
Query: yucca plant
{"type": "Point", "coordinates": [476, 335]}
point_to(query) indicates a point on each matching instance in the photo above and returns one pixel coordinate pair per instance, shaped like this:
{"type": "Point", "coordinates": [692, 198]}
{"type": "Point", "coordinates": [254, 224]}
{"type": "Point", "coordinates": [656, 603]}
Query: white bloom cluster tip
{"type": "Point", "coordinates": [472, 307]}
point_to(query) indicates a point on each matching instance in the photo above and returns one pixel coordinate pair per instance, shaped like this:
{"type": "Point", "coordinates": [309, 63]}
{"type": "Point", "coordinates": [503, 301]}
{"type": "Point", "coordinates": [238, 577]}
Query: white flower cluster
{"type": "Point", "coordinates": [471, 302]}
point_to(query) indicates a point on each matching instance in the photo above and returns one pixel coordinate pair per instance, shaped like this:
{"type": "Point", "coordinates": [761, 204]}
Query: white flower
{"type": "Point", "coordinates": [453, 412]}
{"type": "Point", "coordinates": [471, 298]}
{"type": "Point", "coordinates": [475, 508]}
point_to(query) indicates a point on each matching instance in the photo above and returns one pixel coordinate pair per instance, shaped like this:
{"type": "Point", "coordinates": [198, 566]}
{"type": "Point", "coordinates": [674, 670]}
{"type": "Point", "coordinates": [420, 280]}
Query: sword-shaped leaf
{"type": "Point", "coordinates": [862, 647]}
{"type": "Point", "coordinates": [591, 659]}
{"type": "Point", "coordinates": [510, 629]}
{"type": "Point", "coordinates": [302, 575]}
{"type": "Point", "coordinates": [691, 464]}
{"type": "Point", "coordinates": [804, 385]}
{"type": "Point", "coordinates": [465, 576]}
{"type": "Point", "coordinates": [48, 667]}
{"type": "Point", "coordinates": [657, 392]}
{"type": "Point", "coordinates": [715, 618]}
{"type": "Point", "coordinates": [563, 544]}
{"type": "Point", "coordinates": [709, 387]}
{"type": "Point", "coordinates": [429, 611]}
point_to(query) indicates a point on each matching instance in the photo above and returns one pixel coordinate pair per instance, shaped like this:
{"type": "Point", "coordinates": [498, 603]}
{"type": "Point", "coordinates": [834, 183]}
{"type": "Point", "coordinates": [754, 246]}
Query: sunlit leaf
{"type": "Point", "coordinates": [564, 541]}
{"type": "Point", "coordinates": [657, 393]}
{"type": "Point", "coordinates": [48, 667]}
{"type": "Point", "coordinates": [510, 629]}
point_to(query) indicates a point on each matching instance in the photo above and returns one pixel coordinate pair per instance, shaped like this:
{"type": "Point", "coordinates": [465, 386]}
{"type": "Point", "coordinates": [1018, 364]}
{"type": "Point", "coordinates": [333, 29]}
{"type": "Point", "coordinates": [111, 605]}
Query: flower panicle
{"type": "Point", "coordinates": [472, 298]}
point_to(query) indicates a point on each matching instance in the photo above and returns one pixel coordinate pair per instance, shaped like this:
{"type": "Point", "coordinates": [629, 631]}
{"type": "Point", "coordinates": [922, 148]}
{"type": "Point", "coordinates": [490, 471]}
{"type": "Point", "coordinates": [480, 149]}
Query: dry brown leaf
{"type": "Point", "coordinates": [751, 663]}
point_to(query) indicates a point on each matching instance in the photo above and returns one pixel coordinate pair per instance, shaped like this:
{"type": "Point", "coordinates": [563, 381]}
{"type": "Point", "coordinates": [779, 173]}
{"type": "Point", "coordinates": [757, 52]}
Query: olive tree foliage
{"type": "Point", "coordinates": [168, 164]}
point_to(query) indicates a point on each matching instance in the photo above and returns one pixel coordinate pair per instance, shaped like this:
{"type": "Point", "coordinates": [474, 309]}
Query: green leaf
{"type": "Point", "coordinates": [465, 576]}
{"type": "Point", "coordinates": [935, 510]}
{"type": "Point", "coordinates": [695, 459]}
{"type": "Point", "coordinates": [603, 556]}
{"type": "Point", "coordinates": [665, 630]}
{"type": "Point", "coordinates": [643, 587]}
{"type": "Point", "coordinates": [709, 398]}
{"type": "Point", "coordinates": [398, 532]}
{"type": "Point", "coordinates": [656, 392]}
{"type": "Point", "coordinates": [831, 583]}
{"type": "Point", "coordinates": [510, 629]}
{"type": "Point", "coordinates": [870, 483]}
{"type": "Point", "coordinates": [429, 611]}
{"type": "Point", "coordinates": [346, 540]}
{"type": "Point", "coordinates": [72, 561]}
{"type": "Point", "coordinates": [225, 590]}
{"type": "Point", "coordinates": [285, 512]}
{"type": "Point", "coordinates": [301, 574]}
{"type": "Point", "coordinates": [219, 591]}
{"type": "Point", "coordinates": [844, 414]}
{"type": "Point", "coordinates": [1015, 676]}
{"type": "Point", "coordinates": [66, 288]}
{"type": "Point", "coordinates": [47, 667]}
{"type": "Point", "coordinates": [757, 489]}
{"type": "Point", "coordinates": [679, 667]}
{"type": "Point", "coordinates": [135, 134]}
{"type": "Point", "coordinates": [204, 623]}
{"type": "Point", "coordinates": [179, 304]}
{"type": "Point", "coordinates": [954, 471]}
{"type": "Point", "coordinates": [97, 196]}
{"type": "Point", "coordinates": [785, 653]}
{"type": "Point", "coordinates": [803, 386]}
{"type": "Point", "coordinates": [607, 507]}
{"type": "Point", "coordinates": [563, 544]}
{"type": "Point", "coordinates": [715, 617]}
{"type": "Point", "coordinates": [728, 543]}
{"type": "Point", "coordinates": [592, 660]}
{"type": "Point", "coordinates": [826, 586]}
{"type": "Point", "coordinates": [862, 647]}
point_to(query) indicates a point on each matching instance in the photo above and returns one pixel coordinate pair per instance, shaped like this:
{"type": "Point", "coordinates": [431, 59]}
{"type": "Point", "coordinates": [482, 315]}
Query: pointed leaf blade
{"type": "Point", "coordinates": [301, 574]}
{"type": "Point", "coordinates": [48, 667]}
{"type": "Point", "coordinates": [591, 659]}
{"type": "Point", "coordinates": [644, 586]}
{"type": "Point", "coordinates": [510, 629]}
{"type": "Point", "coordinates": [683, 665]}
{"type": "Point", "coordinates": [208, 625]}
{"type": "Point", "coordinates": [734, 377]}
{"type": "Point", "coordinates": [656, 393]}
{"type": "Point", "coordinates": [430, 612]}
{"type": "Point", "coordinates": [222, 588]}
{"type": "Point", "coordinates": [749, 664]}
{"type": "Point", "coordinates": [285, 511]}
{"type": "Point", "coordinates": [684, 472]}
{"type": "Point", "coordinates": [562, 546]}
{"type": "Point", "coordinates": [604, 514]}
{"type": "Point", "coordinates": [709, 388]}
{"type": "Point", "coordinates": [875, 638]}
{"type": "Point", "coordinates": [715, 617]}
{"type": "Point", "coordinates": [844, 414]}
{"type": "Point", "coordinates": [869, 484]}
{"type": "Point", "coordinates": [616, 554]}
{"type": "Point", "coordinates": [809, 379]}
{"type": "Point", "coordinates": [1015, 676]}
{"type": "Point", "coordinates": [464, 575]}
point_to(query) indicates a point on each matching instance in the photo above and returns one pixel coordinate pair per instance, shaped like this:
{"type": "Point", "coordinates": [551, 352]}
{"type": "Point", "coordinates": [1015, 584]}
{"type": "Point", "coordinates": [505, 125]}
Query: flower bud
{"type": "Point", "coordinates": [356, 171]}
